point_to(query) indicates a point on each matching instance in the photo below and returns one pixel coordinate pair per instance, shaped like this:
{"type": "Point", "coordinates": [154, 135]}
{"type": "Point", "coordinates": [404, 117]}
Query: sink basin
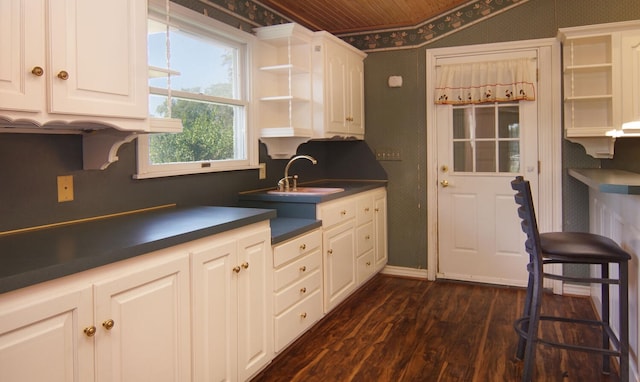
{"type": "Point", "coordinates": [308, 191]}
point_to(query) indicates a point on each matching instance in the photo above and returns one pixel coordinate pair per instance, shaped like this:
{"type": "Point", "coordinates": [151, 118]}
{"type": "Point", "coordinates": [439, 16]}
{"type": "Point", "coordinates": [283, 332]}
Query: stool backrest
{"type": "Point", "coordinates": [529, 224]}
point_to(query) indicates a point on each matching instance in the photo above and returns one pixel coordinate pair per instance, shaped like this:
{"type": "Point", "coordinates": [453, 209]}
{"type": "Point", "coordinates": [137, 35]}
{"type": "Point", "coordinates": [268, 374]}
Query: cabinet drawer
{"type": "Point", "coordinates": [364, 208]}
{"type": "Point", "coordinates": [297, 270]}
{"type": "Point", "coordinates": [338, 212]}
{"type": "Point", "coordinates": [364, 238]}
{"type": "Point", "coordinates": [296, 247]}
{"type": "Point", "coordinates": [296, 292]}
{"type": "Point", "coordinates": [297, 320]}
{"type": "Point", "coordinates": [365, 267]}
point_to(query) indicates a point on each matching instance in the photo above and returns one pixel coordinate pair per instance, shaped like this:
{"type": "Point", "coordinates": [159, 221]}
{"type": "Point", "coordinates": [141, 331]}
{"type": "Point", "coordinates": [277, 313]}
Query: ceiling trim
{"type": "Point", "coordinates": [430, 30]}
{"type": "Point", "coordinates": [248, 14]}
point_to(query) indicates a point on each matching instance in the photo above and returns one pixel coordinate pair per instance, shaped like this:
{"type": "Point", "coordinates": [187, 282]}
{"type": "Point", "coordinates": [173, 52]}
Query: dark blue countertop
{"type": "Point", "coordinates": [608, 180]}
{"type": "Point", "coordinates": [286, 228]}
{"type": "Point", "coordinates": [350, 187]}
{"type": "Point", "coordinates": [304, 206]}
{"type": "Point", "coordinates": [36, 256]}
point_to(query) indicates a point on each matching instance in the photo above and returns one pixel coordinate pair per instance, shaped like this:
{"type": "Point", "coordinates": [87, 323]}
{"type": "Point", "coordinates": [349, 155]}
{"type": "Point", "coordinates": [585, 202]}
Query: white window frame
{"type": "Point", "coordinates": [192, 21]}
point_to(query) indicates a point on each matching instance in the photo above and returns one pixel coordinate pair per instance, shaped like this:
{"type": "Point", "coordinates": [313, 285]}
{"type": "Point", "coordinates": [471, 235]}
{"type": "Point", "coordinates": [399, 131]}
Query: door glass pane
{"type": "Point", "coordinates": [462, 123]}
{"type": "Point", "coordinates": [485, 122]}
{"type": "Point", "coordinates": [508, 118]}
{"type": "Point", "coordinates": [486, 156]}
{"type": "Point", "coordinates": [462, 157]}
{"type": "Point", "coordinates": [509, 156]}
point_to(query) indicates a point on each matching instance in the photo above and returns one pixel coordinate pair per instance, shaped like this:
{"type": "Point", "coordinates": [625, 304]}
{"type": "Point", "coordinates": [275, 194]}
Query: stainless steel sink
{"type": "Point", "coordinates": [308, 191]}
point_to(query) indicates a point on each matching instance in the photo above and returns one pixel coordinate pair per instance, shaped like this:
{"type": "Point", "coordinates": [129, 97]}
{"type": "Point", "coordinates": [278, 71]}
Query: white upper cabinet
{"type": "Point", "coordinates": [630, 42]}
{"type": "Point", "coordinates": [310, 86]}
{"type": "Point", "coordinates": [601, 74]}
{"type": "Point", "coordinates": [74, 61]}
{"type": "Point", "coordinates": [285, 81]}
{"type": "Point", "coordinates": [338, 88]}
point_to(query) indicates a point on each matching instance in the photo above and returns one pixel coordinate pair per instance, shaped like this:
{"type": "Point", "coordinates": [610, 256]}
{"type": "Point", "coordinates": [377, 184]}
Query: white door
{"type": "Point", "coordinates": [142, 322]}
{"type": "Point", "coordinates": [481, 148]}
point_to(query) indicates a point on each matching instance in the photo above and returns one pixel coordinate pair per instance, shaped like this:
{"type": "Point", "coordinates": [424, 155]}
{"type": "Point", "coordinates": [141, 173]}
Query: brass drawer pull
{"type": "Point", "coordinates": [90, 331]}
{"type": "Point", "coordinates": [108, 324]}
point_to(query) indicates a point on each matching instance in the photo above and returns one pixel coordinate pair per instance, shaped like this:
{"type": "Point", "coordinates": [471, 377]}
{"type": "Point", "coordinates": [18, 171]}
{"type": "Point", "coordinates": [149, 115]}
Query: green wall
{"type": "Point", "coordinates": [395, 117]}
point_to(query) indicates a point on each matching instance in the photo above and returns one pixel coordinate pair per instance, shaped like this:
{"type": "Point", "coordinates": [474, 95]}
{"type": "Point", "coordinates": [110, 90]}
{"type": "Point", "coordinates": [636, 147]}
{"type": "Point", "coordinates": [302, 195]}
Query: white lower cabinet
{"type": "Point", "coordinates": [354, 242]}
{"type": "Point", "coordinates": [232, 332]}
{"type": "Point", "coordinates": [297, 286]}
{"type": "Point", "coordinates": [126, 317]}
{"type": "Point", "coordinates": [198, 311]}
{"type": "Point", "coordinates": [142, 319]}
{"type": "Point", "coordinates": [41, 335]}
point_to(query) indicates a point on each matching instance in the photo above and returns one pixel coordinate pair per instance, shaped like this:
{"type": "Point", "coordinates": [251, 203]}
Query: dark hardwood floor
{"type": "Point", "coordinates": [398, 329]}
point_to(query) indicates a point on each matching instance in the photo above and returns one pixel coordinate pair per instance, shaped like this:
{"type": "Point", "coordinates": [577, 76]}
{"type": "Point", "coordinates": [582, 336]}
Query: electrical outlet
{"type": "Point", "coordinates": [262, 174]}
{"type": "Point", "coordinates": [65, 188]}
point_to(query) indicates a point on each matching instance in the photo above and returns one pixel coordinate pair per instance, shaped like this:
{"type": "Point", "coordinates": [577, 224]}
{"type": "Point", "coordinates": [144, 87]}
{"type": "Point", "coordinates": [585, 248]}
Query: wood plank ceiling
{"type": "Point", "coordinates": [350, 16]}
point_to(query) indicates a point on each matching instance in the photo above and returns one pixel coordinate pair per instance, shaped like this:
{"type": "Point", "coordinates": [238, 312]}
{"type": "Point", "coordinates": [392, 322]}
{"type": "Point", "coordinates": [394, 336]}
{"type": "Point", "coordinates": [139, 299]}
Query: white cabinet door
{"type": "Point", "coordinates": [380, 229]}
{"type": "Point", "coordinates": [339, 87]}
{"type": "Point", "coordinates": [339, 264]}
{"type": "Point", "coordinates": [255, 322]}
{"type": "Point", "coordinates": [215, 322]}
{"type": "Point", "coordinates": [43, 340]}
{"type": "Point", "coordinates": [232, 324]}
{"type": "Point", "coordinates": [149, 306]}
{"type": "Point", "coordinates": [101, 46]}
{"type": "Point", "coordinates": [355, 93]}
{"type": "Point", "coordinates": [336, 86]}
{"type": "Point", "coordinates": [630, 63]}
{"type": "Point", "coordinates": [22, 51]}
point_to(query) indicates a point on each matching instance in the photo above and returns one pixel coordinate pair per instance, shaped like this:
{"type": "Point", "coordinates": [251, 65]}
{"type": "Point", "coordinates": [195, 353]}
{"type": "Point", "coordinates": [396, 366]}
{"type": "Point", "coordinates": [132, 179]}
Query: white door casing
{"type": "Point", "coordinates": [549, 207]}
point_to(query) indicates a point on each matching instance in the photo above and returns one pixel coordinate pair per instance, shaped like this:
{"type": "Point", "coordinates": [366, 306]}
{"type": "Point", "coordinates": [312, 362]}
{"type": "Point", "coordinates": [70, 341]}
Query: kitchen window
{"type": "Point", "coordinates": [198, 73]}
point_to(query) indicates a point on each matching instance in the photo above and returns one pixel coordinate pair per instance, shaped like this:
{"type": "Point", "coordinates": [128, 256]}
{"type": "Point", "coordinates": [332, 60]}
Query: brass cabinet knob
{"type": "Point", "coordinates": [37, 71]}
{"type": "Point", "coordinates": [236, 269]}
{"type": "Point", "coordinates": [303, 315]}
{"type": "Point", "coordinates": [63, 75]}
{"type": "Point", "coordinates": [245, 265]}
{"type": "Point", "coordinates": [343, 212]}
{"type": "Point", "coordinates": [303, 268]}
{"type": "Point", "coordinates": [90, 331]}
{"type": "Point", "coordinates": [368, 263]}
{"type": "Point", "coordinates": [367, 237]}
{"type": "Point", "coordinates": [445, 183]}
{"type": "Point", "coordinates": [303, 246]}
{"type": "Point", "coordinates": [377, 210]}
{"type": "Point", "coordinates": [108, 324]}
{"type": "Point", "coordinates": [303, 290]}
{"type": "Point", "coordinates": [330, 251]}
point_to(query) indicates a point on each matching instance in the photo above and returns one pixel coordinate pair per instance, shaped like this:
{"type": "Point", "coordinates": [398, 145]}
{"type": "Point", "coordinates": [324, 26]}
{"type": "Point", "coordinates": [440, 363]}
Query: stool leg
{"type": "Point", "coordinates": [522, 341]}
{"type": "Point", "coordinates": [532, 331]}
{"type": "Point", "coordinates": [606, 362]}
{"type": "Point", "coordinates": [624, 320]}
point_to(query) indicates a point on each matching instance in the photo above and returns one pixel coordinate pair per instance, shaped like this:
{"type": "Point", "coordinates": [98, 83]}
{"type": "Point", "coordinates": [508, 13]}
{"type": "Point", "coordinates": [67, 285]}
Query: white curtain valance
{"type": "Point", "coordinates": [479, 82]}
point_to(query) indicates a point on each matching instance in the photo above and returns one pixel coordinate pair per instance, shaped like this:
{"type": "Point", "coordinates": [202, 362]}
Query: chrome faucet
{"type": "Point", "coordinates": [283, 184]}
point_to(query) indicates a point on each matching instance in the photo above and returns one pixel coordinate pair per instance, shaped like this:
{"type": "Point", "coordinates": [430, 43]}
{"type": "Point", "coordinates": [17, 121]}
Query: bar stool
{"type": "Point", "coordinates": [569, 248]}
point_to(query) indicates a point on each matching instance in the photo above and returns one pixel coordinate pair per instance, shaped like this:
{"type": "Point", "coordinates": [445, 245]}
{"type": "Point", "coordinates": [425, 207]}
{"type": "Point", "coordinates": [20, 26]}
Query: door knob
{"type": "Point", "coordinates": [444, 183]}
{"type": "Point", "coordinates": [37, 71]}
